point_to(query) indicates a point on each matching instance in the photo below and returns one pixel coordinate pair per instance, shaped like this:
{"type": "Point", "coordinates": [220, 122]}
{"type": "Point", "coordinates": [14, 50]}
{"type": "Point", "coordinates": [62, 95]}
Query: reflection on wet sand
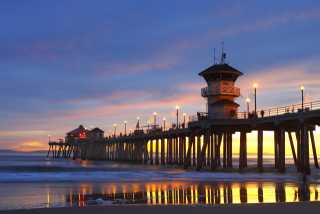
{"type": "Point", "coordinates": [180, 193]}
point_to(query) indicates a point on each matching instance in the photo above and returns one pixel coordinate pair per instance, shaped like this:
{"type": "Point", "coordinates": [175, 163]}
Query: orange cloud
{"type": "Point", "coordinates": [23, 133]}
{"type": "Point", "coordinates": [149, 105]}
{"type": "Point", "coordinates": [29, 146]}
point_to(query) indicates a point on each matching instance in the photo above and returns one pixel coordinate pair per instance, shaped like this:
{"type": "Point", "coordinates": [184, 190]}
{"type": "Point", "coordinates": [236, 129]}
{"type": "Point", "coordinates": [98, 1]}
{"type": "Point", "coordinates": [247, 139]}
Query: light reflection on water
{"type": "Point", "coordinates": [180, 193]}
{"type": "Point", "coordinates": [35, 195]}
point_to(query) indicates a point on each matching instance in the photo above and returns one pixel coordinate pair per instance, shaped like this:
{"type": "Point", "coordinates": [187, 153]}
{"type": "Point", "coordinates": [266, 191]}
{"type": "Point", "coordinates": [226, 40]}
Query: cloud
{"type": "Point", "coordinates": [161, 61]}
{"type": "Point", "coordinates": [112, 97]}
{"type": "Point", "coordinates": [23, 133]}
{"type": "Point", "coordinates": [282, 79]}
{"type": "Point", "coordinates": [30, 146]}
{"type": "Point", "coordinates": [139, 106]}
{"type": "Point", "coordinates": [168, 56]}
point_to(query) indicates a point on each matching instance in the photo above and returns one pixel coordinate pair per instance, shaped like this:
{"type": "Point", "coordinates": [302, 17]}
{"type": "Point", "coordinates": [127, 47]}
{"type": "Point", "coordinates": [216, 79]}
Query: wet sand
{"type": "Point", "coordinates": [301, 207]}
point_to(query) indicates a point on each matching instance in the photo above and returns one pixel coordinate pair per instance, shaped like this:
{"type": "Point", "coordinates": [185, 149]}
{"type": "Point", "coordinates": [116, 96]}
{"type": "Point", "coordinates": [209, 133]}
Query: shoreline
{"type": "Point", "coordinates": [297, 207]}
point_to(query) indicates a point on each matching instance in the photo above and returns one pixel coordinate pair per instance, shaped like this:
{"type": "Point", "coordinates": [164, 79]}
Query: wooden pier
{"type": "Point", "coordinates": [199, 146]}
{"type": "Point", "coordinates": [206, 142]}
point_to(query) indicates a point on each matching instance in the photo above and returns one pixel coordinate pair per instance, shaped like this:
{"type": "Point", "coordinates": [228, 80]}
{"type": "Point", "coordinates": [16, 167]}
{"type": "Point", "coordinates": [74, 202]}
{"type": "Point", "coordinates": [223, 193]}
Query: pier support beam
{"type": "Point", "coordinates": [176, 145]}
{"type": "Point", "coordinates": [305, 150]}
{"type": "Point", "coordinates": [157, 151]}
{"type": "Point", "coordinates": [151, 151]}
{"type": "Point", "coordinates": [213, 148]}
{"type": "Point", "coordinates": [314, 150]}
{"type": "Point", "coordinates": [218, 151]}
{"type": "Point", "coordinates": [162, 146]}
{"type": "Point", "coordinates": [293, 150]}
{"type": "Point", "coordinates": [243, 150]}
{"type": "Point", "coordinates": [298, 138]}
{"type": "Point", "coordinates": [260, 150]}
{"type": "Point", "coordinates": [187, 161]}
{"type": "Point", "coordinates": [282, 151]}
{"type": "Point", "coordinates": [169, 150]}
{"type": "Point", "coordinates": [229, 150]}
{"type": "Point", "coordinates": [194, 151]}
{"type": "Point", "coordinates": [224, 158]}
{"type": "Point", "coordinates": [276, 149]}
{"type": "Point", "coordinates": [198, 143]}
{"type": "Point", "coordinates": [202, 154]}
{"type": "Point", "coordinates": [180, 143]}
{"type": "Point", "coordinates": [145, 154]}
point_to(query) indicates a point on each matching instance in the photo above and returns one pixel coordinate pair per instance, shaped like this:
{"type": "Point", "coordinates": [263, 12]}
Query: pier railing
{"type": "Point", "coordinates": [269, 112]}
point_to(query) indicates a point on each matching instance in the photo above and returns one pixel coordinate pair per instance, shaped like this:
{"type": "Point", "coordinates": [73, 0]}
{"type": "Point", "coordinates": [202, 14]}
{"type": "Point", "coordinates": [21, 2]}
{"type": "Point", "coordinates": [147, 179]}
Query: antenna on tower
{"type": "Point", "coordinates": [214, 56]}
{"type": "Point", "coordinates": [223, 54]}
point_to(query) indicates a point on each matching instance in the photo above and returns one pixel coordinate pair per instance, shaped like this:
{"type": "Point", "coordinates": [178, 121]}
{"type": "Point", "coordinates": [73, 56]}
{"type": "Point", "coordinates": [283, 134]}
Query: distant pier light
{"type": "Point", "coordinates": [221, 90]}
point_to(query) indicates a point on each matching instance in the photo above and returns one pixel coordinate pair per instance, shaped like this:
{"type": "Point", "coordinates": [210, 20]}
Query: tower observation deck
{"type": "Point", "coordinates": [221, 91]}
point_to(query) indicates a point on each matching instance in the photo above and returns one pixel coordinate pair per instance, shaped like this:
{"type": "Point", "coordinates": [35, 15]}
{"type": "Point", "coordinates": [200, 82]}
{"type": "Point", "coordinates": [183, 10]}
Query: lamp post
{"type": "Point", "coordinates": [125, 127]}
{"type": "Point", "coordinates": [177, 114]}
{"type": "Point", "coordinates": [255, 86]}
{"type": "Point", "coordinates": [164, 124]}
{"type": "Point", "coordinates": [302, 97]}
{"type": "Point", "coordinates": [248, 105]}
{"type": "Point", "coordinates": [184, 119]}
{"type": "Point", "coordinates": [155, 119]}
{"type": "Point", "coordinates": [114, 129]}
{"type": "Point", "coordinates": [49, 138]}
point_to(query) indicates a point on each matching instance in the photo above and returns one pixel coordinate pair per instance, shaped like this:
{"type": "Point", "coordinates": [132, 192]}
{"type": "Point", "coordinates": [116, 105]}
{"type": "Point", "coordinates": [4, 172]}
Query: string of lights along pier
{"type": "Point", "coordinates": [205, 141]}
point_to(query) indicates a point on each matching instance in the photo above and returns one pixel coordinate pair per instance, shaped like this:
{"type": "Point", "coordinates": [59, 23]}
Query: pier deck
{"type": "Point", "coordinates": [206, 143]}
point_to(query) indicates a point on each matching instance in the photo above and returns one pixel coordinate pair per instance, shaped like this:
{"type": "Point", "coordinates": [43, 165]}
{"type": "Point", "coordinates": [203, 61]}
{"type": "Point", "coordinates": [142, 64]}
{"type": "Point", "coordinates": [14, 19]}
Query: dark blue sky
{"type": "Point", "coordinates": [63, 63]}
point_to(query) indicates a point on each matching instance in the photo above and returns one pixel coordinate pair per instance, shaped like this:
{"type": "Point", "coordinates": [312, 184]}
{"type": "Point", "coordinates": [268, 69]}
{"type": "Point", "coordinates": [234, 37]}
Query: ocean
{"type": "Point", "coordinates": [30, 180]}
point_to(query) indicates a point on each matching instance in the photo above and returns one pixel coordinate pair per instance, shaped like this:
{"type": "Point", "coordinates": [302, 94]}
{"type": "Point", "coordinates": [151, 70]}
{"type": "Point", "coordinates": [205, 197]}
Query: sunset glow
{"type": "Point", "coordinates": [32, 113]}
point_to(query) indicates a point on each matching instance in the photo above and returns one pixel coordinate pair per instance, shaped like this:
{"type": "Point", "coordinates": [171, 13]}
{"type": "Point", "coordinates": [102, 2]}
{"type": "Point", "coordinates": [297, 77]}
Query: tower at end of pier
{"type": "Point", "coordinates": [221, 91]}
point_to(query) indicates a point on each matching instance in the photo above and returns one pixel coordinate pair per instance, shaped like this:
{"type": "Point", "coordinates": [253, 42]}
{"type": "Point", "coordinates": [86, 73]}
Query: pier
{"type": "Point", "coordinates": [206, 142]}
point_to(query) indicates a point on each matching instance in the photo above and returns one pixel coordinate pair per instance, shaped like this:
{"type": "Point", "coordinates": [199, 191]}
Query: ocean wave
{"type": "Point", "coordinates": [119, 176]}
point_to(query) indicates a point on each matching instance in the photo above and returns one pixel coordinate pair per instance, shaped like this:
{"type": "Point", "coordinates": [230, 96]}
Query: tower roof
{"type": "Point", "coordinates": [220, 71]}
{"type": "Point", "coordinates": [97, 130]}
{"type": "Point", "coordinates": [77, 130]}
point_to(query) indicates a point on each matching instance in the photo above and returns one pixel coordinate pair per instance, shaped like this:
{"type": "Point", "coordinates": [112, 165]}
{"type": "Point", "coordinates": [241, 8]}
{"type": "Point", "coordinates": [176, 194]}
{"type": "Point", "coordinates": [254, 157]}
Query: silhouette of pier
{"type": "Point", "coordinates": [206, 142]}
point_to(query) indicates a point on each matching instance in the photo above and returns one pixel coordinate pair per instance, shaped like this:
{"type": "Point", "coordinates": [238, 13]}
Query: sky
{"type": "Point", "coordinates": [96, 63]}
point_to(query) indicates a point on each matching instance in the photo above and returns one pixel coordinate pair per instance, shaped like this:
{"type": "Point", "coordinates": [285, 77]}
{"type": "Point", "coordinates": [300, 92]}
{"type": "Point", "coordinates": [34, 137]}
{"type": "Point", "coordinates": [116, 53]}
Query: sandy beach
{"type": "Point", "coordinates": [301, 207]}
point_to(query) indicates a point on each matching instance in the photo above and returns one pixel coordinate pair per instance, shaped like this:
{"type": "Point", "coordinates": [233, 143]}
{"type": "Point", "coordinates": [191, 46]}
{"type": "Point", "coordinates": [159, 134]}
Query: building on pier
{"type": "Point", "coordinates": [96, 134]}
{"type": "Point", "coordinates": [221, 90]}
{"type": "Point", "coordinates": [81, 134]}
